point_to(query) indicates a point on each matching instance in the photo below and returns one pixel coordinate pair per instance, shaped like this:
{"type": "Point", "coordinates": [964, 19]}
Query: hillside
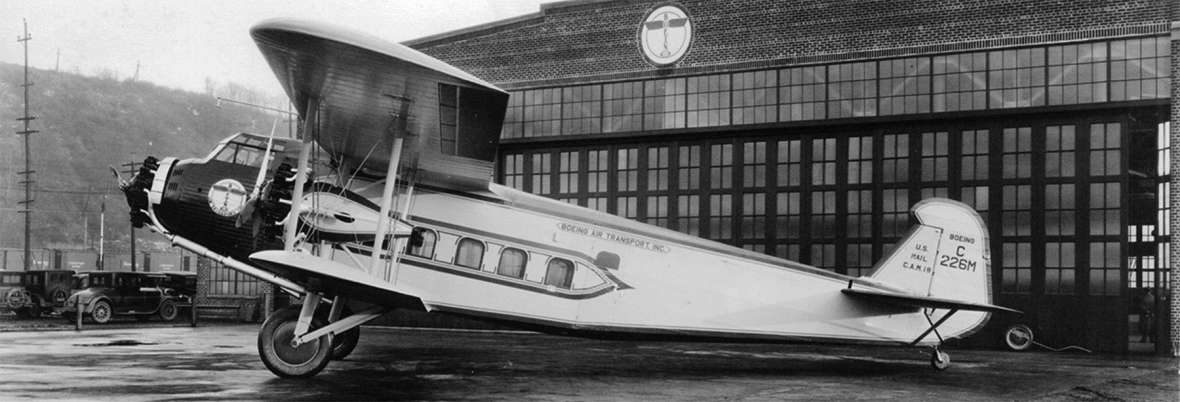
{"type": "Point", "coordinates": [87, 124]}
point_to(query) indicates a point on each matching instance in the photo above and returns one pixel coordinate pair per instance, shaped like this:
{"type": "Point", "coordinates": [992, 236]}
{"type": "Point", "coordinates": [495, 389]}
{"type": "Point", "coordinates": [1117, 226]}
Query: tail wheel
{"type": "Point", "coordinates": [1018, 337]}
{"type": "Point", "coordinates": [940, 360]}
{"type": "Point", "coordinates": [280, 355]}
{"type": "Point", "coordinates": [168, 310]}
{"type": "Point", "coordinates": [101, 313]}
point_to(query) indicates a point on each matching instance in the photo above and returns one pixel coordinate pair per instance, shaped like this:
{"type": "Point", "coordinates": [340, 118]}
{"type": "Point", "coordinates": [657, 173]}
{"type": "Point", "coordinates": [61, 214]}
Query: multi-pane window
{"type": "Point", "coordinates": [1016, 276]}
{"type": "Point", "coordinates": [688, 211]}
{"type": "Point", "coordinates": [721, 166]}
{"type": "Point", "coordinates": [627, 207]}
{"type": "Point", "coordinates": [823, 215]}
{"type": "Point", "coordinates": [787, 217]}
{"type": "Point", "coordinates": [542, 173]}
{"type": "Point", "coordinates": [542, 112]}
{"type": "Point", "coordinates": [708, 101]}
{"type": "Point", "coordinates": [1139, 69]}
{"type": "Point", "coordinates": [628, 169]}
{"type": "Point", "coordinates": [567, 172]}
{"type": "Point", "coordinates": [514, 171]}
{"type": "Point", "coordinates": [1060, 209]}
{"type": "Point", "coordinates": [895, 165]}
{"type": "Point", "coordinates": [622, 107]}
{"type": "Point", "coordinates": [1104, 268]}
{"type": "Point", "coordinates": [790, 162]}
{"type": "Point", "coordinates": [1016, 78]}
{"type": "Point", "coordinates": [657, 168]}
{"type": "Point", "coordinates": [852, 90]}
{"type": "Point", "coordinates": [597, 176]}
{"type": "Point", "coordinates": [448, 118]}
{"type": "Point", "coordinates": [1104, 149]}
{"type": "Point", "coordinates": [664, 103]}
{"type": "Point", "coordinates": [1060, 151]}
{"type": "Point", "coordinates": [753, 216]}
{"type": "Point", "coordinates": [224, 280]}
{"type": "Point", "coordinates": [754, 164]}
{"type": "Point", "coordinates": [1105, 200]}
{"type": "Point", "coordinates": [513, 126]}
{"type": "Point", "coordinates": [688, 172]}
{"type": "Point", "coordinates": [935, 159]}
{"type": "Point", "coordinates": [1077, 73]}
{"type": "Point", "coordinates": [721, 216]}
{"type": "Point", "coordinates": [1017, 153]}
{"type": "Point", "coordinates": [803, 93]}
{"type": "Point", "coordinates": [823, 255]}
{"type": "Point", "coordinates": [755, 97]}
{"type": "Point", "coordinates": [895, 219]}
{"type": "Point", "coordinates": [1017, 210]}
{"type": "Point", "coordinates": [860, 160]}
{"type": "Point", "coordinates": [976, 197]}
{"type": "Point", "coordinates": [657, 210]}
{"type": "Point", "coordinates": [823, 161]}
{"type": "Point", "coordinates": [860, 259]}
{"type": "Point", "coordinates": [581, 110]}
{"type": "Point", "coordinates": [1059, 268]}
{"type": "Point", "coordinates": [960, 82]}
{"type": "Point", "coordinates": [904, 86]}
{"type": "Point", "coordinates": [860, 214]}
{"type": "Point", "coordinates": [974, 164]}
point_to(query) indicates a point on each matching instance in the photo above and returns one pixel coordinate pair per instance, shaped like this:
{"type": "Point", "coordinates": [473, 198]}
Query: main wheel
{"type": "Point", "coordinates": [343, 344]}
{"type": "Point", "coordinates": [168, 310]}
{"type": "Point", "coordinates": [940, 360]}
{"type": "Point", "coordinates": [277, 350]}
{"type": "Point", "coordinates": [102, 312]}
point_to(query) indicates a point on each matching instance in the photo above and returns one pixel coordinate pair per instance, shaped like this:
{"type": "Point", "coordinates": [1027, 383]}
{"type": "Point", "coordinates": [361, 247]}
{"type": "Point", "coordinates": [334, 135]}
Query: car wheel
{"type": "Point", "coordinates": [16, 298]}
{"type": "Point", "coordinates": [101, 313]}
{"type": "Point", "coordinates": [278, 353]}
{"type": "Point", "coordinates": [168, 311]}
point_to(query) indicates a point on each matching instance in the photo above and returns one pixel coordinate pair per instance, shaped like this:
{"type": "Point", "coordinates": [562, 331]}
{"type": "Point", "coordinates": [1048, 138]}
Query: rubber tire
{"type": "Point", "coordinates": [1018, 337]}
{"type": "Point", "coordinates": [940, 360]}
{"type": "Point", "coordinates": [168, 311]}
{"type": "Point", "coordinates": [102, 312]}
{"type": "Point", "coordinates": [343, 344]}
{"type": "Point", "coordinates": [274, 342]}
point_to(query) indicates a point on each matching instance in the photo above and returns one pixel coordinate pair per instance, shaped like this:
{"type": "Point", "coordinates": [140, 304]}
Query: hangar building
{"type": "Point", "coordinates": [806, 129]}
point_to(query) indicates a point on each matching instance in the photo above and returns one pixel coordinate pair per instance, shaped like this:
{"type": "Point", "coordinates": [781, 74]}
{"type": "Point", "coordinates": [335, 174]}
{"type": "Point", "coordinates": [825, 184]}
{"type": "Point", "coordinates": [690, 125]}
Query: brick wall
{"type": "Point", "coordinates": [593, 38]}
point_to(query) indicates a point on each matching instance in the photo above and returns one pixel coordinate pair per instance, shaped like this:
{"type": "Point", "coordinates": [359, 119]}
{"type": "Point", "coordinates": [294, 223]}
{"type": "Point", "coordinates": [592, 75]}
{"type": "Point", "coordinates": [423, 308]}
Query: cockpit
{"type": "Point", "coordinates": [248, 149]}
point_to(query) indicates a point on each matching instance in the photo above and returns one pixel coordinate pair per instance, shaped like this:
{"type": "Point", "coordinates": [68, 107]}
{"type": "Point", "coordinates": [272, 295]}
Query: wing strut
{"type": "Point", "coordinates": [292, 223]}
{"type": "Point", "coordinates": [387, 198]}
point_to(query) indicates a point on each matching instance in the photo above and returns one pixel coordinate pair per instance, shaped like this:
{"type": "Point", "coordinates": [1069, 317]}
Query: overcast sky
{"type": "Point", "coordinates": [180, 42]}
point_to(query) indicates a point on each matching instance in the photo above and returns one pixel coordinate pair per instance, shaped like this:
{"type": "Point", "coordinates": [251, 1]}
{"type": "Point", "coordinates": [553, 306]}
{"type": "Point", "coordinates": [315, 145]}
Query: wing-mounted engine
{"type": "Point", "coordinates": [136, 190]}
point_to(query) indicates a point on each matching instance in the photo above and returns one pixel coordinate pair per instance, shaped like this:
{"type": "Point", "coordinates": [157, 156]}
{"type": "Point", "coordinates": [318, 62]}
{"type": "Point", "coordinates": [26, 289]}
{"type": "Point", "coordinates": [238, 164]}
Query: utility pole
{"type": "Point", "coordinates": [102, 233]}
{"type": "Point", "coordinates": [132, 168]}
{"type": "Point", "coordinates": [135, 78]}
{"type": "Point", "coordinates": [27, 203]}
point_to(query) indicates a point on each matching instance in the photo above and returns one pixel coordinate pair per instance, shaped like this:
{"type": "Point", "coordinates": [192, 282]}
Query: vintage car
{"type": "Point", "coordinates": [182, 285]}
{"type": "Point", "coordinates": [32, 293]}
{"type": "Point", "coordinates": [103, 295]}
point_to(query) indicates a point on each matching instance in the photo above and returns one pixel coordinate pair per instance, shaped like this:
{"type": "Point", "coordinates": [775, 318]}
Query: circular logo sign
{"type": "Point", "coordinates": [665, 35]}
{"type": "Point", "coordinates": [227, 197]}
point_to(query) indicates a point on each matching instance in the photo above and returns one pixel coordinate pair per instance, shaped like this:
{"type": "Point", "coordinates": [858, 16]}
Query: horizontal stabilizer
{"type": "Point", "coordinates": [902, 299]}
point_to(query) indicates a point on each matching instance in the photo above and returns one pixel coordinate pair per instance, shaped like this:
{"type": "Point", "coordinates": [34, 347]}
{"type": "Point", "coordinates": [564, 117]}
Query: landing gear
{"type": "Point", "coordinates": [939, 360]}
{"type": "Point", "coordinates": [280, 354]}
{"type": "Point", "coordinates": [345, 343]}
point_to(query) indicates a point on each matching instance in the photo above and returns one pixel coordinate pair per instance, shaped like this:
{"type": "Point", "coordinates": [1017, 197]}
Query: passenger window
{"type": "Point", "coordinates": [512, 262]}
{"type": "Point", "coordinates": [248, 156]}
{"type": "Point", "coordinates": [422, 243]}
{"type": "Point", "coordinates": [559, 273]}
{"type": "Point", "coordinates": [470, 253]}
{"type": "Point", "coordinates": [227, 153]}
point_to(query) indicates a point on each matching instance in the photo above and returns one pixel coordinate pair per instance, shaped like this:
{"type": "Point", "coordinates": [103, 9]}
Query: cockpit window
{"type": "Point", "coordinates": [247, 149]}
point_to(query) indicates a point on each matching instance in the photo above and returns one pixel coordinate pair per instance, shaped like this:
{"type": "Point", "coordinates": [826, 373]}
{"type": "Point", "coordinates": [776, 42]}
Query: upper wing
{"type": "Point", "coordinates": [362, 91]}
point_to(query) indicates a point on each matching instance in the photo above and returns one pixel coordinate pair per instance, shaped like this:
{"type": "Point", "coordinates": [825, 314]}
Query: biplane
{"type": "Point", "coordinates": [387, 201]}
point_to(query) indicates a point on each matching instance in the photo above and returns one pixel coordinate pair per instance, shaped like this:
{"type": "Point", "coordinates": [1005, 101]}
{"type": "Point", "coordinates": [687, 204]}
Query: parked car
{"type": "Point", "coordinates": [182, 285]}
{"type": "Point", "coordinates": [33, 293]}
{"type": "Point", "coordinates": [104, 295]}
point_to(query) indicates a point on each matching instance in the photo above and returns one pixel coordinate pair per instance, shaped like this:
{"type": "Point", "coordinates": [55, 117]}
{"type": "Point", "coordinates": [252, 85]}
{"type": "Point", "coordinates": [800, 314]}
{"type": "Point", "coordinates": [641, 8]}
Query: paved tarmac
{"type": "Point", "coordinates": [219, 362]}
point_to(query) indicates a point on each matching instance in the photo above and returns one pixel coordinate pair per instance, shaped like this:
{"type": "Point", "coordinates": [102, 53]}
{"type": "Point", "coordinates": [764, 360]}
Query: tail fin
{"type": "Point", "coordinates": [945, 256]}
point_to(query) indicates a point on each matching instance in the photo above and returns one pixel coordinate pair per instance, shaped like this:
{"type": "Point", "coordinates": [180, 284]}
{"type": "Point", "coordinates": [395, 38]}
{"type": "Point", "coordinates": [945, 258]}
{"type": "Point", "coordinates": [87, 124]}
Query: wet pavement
{"type": "Point", "coordinates": [219, 362]}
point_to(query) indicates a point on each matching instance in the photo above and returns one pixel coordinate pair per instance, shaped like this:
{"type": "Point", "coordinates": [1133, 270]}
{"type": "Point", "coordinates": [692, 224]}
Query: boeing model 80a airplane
{"type": "Point", "coordinates": [387, 201]}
